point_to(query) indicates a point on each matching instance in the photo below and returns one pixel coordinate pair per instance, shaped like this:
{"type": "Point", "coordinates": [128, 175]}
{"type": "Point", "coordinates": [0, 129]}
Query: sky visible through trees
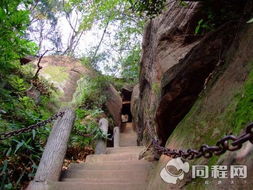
{"type": "Point", "coordinates": [105, 31]}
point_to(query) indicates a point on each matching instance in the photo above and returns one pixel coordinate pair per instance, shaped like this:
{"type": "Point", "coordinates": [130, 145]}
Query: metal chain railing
{"type": "Point", "coordinates": [7, 135]}
{"type": "Point", "coordinates": [227, 143]}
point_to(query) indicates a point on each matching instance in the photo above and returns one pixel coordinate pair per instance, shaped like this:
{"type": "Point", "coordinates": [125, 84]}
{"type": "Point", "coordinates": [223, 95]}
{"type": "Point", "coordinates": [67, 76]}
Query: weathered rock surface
{"type": "Point", "coordinates": [175, 66]}
{"type": "Point", "coordinates": [134, 109]}
{"type": "Point", "coordinates": [216, 114]}
{"type": "Point", "coordinates": [164, 45]}
{"type": "Point", "coordinates": [196, 90]}
{"type": "Point", "coordinates": [114, 104]}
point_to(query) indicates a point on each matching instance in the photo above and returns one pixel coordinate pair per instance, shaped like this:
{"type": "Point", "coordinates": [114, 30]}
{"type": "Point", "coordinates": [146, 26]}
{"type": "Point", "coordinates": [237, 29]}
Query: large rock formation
{"type": "Point", "coordinates": [63, 72]}
{"type": "Point", "coordinates": [224, 107]}
{"type": "Point", "coordinates": [114, 104]}
{"type": "Point", "coordinates": [176, 64]}
{"type": "Point", "coordinates": [196, 89]}
{"type": "Point", "coordinates": [163, 47]}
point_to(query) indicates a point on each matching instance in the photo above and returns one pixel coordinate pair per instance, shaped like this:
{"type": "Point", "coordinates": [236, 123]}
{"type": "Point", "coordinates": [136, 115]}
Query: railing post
{"type": "Point", "coordinates": [116, 137]}
{"type": "Point", "coordinates": [101, 143]}
{"type": "Point", "coordinates": [53, 156]}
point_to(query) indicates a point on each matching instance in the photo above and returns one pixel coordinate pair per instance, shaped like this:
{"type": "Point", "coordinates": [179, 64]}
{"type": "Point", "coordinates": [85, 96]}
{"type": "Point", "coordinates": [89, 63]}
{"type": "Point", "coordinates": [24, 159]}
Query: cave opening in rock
{"type": "Point", "coordinates": [126, 115]}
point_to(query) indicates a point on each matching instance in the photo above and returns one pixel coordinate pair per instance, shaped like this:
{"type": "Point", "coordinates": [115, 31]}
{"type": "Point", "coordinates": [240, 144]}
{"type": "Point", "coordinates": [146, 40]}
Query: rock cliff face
{"type": "Point", "coordinates": [164, 44]}
{"type": "Point", "coordinates": [194, 90]}
{"type": "Point", "coordinates": [176, 64]}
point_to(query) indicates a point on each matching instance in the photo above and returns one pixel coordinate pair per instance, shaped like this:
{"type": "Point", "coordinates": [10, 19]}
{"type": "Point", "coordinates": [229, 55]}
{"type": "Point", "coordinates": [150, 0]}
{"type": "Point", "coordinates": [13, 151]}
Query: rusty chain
{"type": "Point", "coordinates": [6, 135]}
{"type": "Point", "coordinates": [227, 143]}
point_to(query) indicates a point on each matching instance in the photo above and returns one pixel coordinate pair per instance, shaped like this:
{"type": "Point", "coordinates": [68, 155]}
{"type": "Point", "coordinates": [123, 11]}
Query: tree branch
{"type": "Point", "coordinates": [38, 64]}
{"type": "Point", "coordinates": [100, 42]}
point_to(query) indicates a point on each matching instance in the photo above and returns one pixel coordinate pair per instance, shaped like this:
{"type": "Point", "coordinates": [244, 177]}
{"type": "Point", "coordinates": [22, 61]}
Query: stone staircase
{"type": "Point", "coordinates": [118, 169]}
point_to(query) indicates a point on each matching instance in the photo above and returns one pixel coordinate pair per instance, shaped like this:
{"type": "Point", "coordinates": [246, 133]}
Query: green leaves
{"type": "Point", "coordinates": [17, 83]}
{"type": "Point", "coordinates": [13, 23]}
{"type": "Point", "coordinates": [19, 145]}
{"type": "Point", "coordinates": [130, 65]}
{"type": "Point", "coordinates": [19, 154]}
{"type": "Point", "coordinates": [151, 8]}
{"type": "Point", "coordinates": [204, 26]}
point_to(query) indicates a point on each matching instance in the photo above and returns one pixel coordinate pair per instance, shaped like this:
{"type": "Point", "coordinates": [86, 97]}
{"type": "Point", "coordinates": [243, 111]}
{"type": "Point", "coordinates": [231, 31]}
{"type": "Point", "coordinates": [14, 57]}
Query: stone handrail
{"type": "Point", "coordinates": [116, 137]}
{"type": "Point", "coordinates": [53, 156]}
{"type": "Point", "coordinates": [102, 143]}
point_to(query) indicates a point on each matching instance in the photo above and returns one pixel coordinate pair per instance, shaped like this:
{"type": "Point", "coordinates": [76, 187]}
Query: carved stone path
{"type": "Point", "coordinates": [118, 169]}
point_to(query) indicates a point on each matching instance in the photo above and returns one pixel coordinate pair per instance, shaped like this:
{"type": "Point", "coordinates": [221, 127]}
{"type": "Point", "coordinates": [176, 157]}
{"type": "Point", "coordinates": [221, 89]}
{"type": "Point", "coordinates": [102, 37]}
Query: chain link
{"type": "Point", "coordinates": [227, 143]}
{"type": "Point", "coordinates": [7, 135]}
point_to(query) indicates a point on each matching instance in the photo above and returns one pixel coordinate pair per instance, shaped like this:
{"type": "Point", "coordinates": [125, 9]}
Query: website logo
{"type": "Point", "coordinates": [174, 170]}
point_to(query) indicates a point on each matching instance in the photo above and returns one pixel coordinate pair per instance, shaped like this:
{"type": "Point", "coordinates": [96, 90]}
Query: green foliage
{"type": "Point", "coordinates": [90, 98]}
{"type": "Point", "coordinates": [25, 150]}
{"type": "Point", "coordinates": [19, 155]}
{"type": "Point", "coordinates": [203, 26]}
{"type": "Point", "coordinates": [17, 83]}
{"type": "Point", "coordinates": [86, 122]}
{"type": "Point", "coordinates": [244, 109]}
{"type": "Point", "coordinates": [13, 23]}
{"type": "Point", "coordinates": [130, 65]}
{"type": "Point", "coordinates": [118, 44]}
{"type": "Point", "coordinates": [90, 92]}
{"type": "Point", "coordinates": [149, 7]}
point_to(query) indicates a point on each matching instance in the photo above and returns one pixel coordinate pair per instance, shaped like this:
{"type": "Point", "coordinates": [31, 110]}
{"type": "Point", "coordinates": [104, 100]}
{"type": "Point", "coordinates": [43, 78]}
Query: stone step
{"type": "Point", "coordinates": [112, 165]}
{"type": "Point", "coordinates": [128, 140]}
{"type": "Point", "coordinates": [80, 172]}
{"type": "Point", "coordinates": [127, 149]}
{"type": "Point", "coordinates": [120, 180]}
{"type": "Point", "coordinates": [105, 175]}
{"type": "Point", "coordinates": [95, 186]}
{"type": "Point", "coordinates": [121, 157]}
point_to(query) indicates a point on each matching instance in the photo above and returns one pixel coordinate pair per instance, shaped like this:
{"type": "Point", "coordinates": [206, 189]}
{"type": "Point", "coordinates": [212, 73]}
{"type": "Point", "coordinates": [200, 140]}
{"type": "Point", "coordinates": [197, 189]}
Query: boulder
{"type": "Point", "coordinates": [114, 104]}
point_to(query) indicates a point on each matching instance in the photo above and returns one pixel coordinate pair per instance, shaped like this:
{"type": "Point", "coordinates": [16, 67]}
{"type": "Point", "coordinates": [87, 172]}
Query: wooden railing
{"type": "Point", "coordinates": [53, 156]}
